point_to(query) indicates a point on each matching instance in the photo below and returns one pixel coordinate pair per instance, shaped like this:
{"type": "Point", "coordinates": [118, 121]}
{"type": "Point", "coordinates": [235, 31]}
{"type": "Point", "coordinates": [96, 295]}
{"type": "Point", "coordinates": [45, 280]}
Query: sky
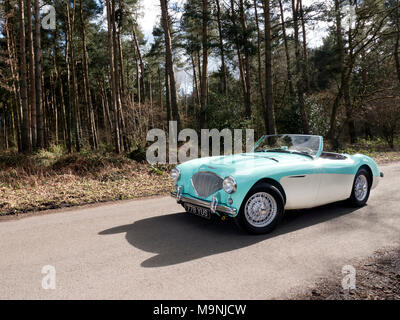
{"type": "Point", "coordinates": [151, 15]}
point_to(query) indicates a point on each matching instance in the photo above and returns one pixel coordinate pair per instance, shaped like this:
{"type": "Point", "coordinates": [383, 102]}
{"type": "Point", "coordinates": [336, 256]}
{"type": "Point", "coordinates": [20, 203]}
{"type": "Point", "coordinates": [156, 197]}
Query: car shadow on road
{"type": "Point", "coordinates": [180, 237]}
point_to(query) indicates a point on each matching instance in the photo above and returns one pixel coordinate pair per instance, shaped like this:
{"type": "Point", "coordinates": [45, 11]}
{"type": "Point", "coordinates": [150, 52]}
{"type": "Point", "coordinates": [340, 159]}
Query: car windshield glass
{"type": "Point", "coordinates": [297, 144]}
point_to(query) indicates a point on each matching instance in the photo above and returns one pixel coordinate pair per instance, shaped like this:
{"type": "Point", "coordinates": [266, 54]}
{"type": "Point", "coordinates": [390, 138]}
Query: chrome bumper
{"type": "Point", "coordinates": [213, 206]}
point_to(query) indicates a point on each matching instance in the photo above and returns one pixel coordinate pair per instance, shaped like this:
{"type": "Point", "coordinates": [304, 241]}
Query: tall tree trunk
{"type": "Point", "coordinates": [246, 61]}
{"type": "Point", "coordinates": [347, 96]}
{"type": "Point", "coordinates": [288, 60]}
{"type": "Point", "coordinates": [349, 114]}
{"type": "Point", "coordinates": [269, 96]}
{"type": "Point", "coordinates": [196, 84]}
{"type": "Point", "coordinates": [121, 67]}
{"type": "Point", "coordinates": [239, 55]}
{"type": "Point", "coordinates": [15, 83]}
{"type": "Point", "coordinates": [151, 99]}
{"type": "Point", "coordinates": [167, 94]}
{"type": "Point", "coordinates": [75, 92]}
{"type": "Point", "coordinates": [160, 88]}
{"type": "Point", "coordinates": [26, 144]}
{"type": "Point", "coordinates": [54, 102]}
{"type": "Point", "coordinates": [340, 46]}
{"type": "Point", "coordinates": [260, 78]}
{"type": "Point", "coordinates": [222, 50]}
{"type": "Point", "coordinates": [306, 77]}
{"type": "Point", "coordinates": [86, 84]}
{"type": "Point", "coordinates": [124, 142]}
{"type": "Point", "coordinates": [38, 79]}
{"type": "Point", "coordinates": [107, 106]}
{"type": "Point", "coordinates": [5, 126]}
{"type": "Point", "coordinates": [70, 99]}
{"type": "Point", "coordinates": [169, 61]}
{"type": "Point", "coordinates": [139, 54]}
{"type": "Point", "coordinates": [138, 78]}
{"type": "Point", "coordinates": [299, 68]}
{"type": "Point", "coordinates": [113, 80]}
{"type": "Point", "coordinates": [45, 99]}
{"type": "Point", "coordinates": [62, 102]}
{"type": "Point", "coordinates": [32, 88]}
{"type": "Point", "coordinates": [397, 41]}
{"type": "Point", "coordinates": [204, 79]}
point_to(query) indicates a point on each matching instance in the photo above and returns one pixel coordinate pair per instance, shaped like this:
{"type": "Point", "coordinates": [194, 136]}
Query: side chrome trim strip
{"type": "Point", "coordinates": [213, 206]}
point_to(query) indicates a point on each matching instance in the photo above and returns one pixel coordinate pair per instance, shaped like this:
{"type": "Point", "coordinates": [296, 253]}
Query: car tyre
{"type": "Point", "coordinates": [361, 188]}
{"type": "Point", "coordinates": [261, 210]}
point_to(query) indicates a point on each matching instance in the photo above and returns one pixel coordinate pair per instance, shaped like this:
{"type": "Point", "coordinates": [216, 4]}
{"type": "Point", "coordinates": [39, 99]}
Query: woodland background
{"type": "Point", "coordinates": [77, 100]}
{"type": "Point", "coordinates": [93, 81]}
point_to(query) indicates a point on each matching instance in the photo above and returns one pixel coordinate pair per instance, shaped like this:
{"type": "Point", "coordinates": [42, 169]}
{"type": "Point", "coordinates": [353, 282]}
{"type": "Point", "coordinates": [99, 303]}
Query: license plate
{"type": "Point", "coordinates": [198, 211]}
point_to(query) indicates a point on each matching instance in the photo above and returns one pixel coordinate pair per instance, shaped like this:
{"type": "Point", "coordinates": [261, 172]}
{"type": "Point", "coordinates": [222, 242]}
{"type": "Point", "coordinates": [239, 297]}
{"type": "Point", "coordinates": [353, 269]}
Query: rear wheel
{"type": "Point", "coordinates": [262, 209]}
{"type": "Point", "coordinates": [361, 188]}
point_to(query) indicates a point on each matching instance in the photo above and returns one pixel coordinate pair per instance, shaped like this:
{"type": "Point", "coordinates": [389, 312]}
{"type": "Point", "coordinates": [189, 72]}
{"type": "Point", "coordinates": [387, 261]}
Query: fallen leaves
{"type": "Point", "coordinates": [78, 180]}
{"type": "Point", "coordinates": [377, 278]}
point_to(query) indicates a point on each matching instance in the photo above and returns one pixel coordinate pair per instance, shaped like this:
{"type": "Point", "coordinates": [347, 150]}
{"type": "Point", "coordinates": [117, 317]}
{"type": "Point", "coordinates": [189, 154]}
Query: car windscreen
{"type": "Point", "coordinates": [297, 144]}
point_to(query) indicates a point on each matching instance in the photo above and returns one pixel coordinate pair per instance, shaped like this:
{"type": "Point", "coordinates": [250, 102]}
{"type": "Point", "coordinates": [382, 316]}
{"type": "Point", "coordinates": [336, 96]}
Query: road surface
{"type": "Point", "coordinates": [149, 249]}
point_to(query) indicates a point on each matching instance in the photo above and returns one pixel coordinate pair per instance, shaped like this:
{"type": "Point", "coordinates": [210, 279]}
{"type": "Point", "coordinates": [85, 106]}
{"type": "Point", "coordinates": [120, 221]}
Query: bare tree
{"type": "Point", "coordinates": [38, 79]}
{"type": "Point", "coordinates": [221, 48]}
{"type": "Point", "coordinates": [300, 85]}
{"type": "Point", "coordinates": [117, 142]}
{"type": "Point", "coordinates": [269, 110]}
{"type": "Point", "coordinates": [26, 144]}
{"type": "Point", "coordinates": [32, 87]}
{"type": "Point", "coordinates": [169, 61]}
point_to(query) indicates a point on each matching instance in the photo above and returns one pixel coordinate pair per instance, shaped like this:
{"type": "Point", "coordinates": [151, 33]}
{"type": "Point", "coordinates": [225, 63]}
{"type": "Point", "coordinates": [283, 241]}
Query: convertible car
{"type": "Point", "coordinates": [283, 172]}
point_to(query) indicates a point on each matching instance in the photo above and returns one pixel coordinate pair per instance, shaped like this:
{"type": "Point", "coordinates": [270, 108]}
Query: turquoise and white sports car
{"type": "Point", "coordinates": [283, 172]}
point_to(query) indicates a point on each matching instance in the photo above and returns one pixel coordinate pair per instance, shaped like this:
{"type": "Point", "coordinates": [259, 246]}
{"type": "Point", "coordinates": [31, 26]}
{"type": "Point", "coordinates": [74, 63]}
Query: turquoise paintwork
{"type": "Point", "coordinates": [249, 168]}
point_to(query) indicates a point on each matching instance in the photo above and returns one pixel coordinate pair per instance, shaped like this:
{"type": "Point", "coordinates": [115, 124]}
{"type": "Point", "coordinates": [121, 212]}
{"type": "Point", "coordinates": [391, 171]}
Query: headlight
{"type": "Point", "coordinates": [229, 185]}
{"type": "Point", "coordinates": [175, 174]}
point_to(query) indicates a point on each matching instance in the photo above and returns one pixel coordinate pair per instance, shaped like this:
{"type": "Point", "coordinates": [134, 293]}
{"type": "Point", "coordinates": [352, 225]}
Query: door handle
{"type": "Point", "coordinates": [297, 177]}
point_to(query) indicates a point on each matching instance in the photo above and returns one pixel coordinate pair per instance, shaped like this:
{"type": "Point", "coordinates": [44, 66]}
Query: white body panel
{"type": "Point", "coordinates": [334, 187]}
{"type": "Point", "coordinates": [314, 190]}
{"type": "Point", "coordinates": [301, 192]}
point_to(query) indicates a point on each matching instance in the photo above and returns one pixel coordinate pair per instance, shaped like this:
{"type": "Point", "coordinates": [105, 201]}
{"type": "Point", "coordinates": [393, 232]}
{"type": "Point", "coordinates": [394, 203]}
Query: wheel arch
{"type": "Point", "coordinates": [368, 168]}
{"type": "Point", "coordinates": [274, 183]}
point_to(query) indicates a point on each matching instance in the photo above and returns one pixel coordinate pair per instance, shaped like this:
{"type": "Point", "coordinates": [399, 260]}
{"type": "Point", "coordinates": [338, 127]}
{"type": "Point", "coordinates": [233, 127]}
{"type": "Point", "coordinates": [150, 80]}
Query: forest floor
{"type": "Point", "coordinates": [377, 278]}
{"type": "Point", "coordinates": [52, 179]}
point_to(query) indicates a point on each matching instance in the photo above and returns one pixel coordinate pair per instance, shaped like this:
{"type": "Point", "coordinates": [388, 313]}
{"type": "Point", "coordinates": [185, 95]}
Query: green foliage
{"type": "Point", "coordinates": [325, 65]}
{"type": "Point", "coordinates": [371, 101]}
{"type": "Point", "coordinates": [317, 116]}
{"type": "Point", "coordinates": [368, 146]}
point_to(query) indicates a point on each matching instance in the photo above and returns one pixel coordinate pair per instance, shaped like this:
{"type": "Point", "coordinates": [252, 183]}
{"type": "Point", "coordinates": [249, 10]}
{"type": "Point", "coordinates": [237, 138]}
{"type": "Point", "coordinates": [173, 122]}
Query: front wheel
{"type": "Point", "coordinates": [262, 209]}
{"type": "Point", "coordinates": [361, 188]}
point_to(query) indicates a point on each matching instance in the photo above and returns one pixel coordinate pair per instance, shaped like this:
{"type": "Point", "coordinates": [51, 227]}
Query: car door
{"type": "Point", "coordinates": [301, 184]}
{"type": "Point", "coordinates": [336, 180]}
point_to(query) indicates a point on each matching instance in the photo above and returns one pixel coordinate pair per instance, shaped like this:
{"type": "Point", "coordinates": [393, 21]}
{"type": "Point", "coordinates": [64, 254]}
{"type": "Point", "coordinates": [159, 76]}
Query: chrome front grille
{"type": "Point", "coordinates": [206, 183]}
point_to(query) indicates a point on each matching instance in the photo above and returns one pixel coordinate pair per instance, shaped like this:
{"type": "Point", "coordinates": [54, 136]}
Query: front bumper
{"type": "Point", "coordinates": [213, 205]}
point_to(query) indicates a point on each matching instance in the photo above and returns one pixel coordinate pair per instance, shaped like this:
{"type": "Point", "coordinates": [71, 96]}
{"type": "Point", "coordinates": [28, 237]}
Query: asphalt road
{"type": "Point", "coordinates": [149, 249]}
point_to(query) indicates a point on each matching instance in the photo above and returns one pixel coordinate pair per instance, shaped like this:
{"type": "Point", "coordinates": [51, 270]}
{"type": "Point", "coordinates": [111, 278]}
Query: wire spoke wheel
{"type": "Point", "coordinates": [361, 187]}
{"type": "Point", "coordinates": [261, 209]}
